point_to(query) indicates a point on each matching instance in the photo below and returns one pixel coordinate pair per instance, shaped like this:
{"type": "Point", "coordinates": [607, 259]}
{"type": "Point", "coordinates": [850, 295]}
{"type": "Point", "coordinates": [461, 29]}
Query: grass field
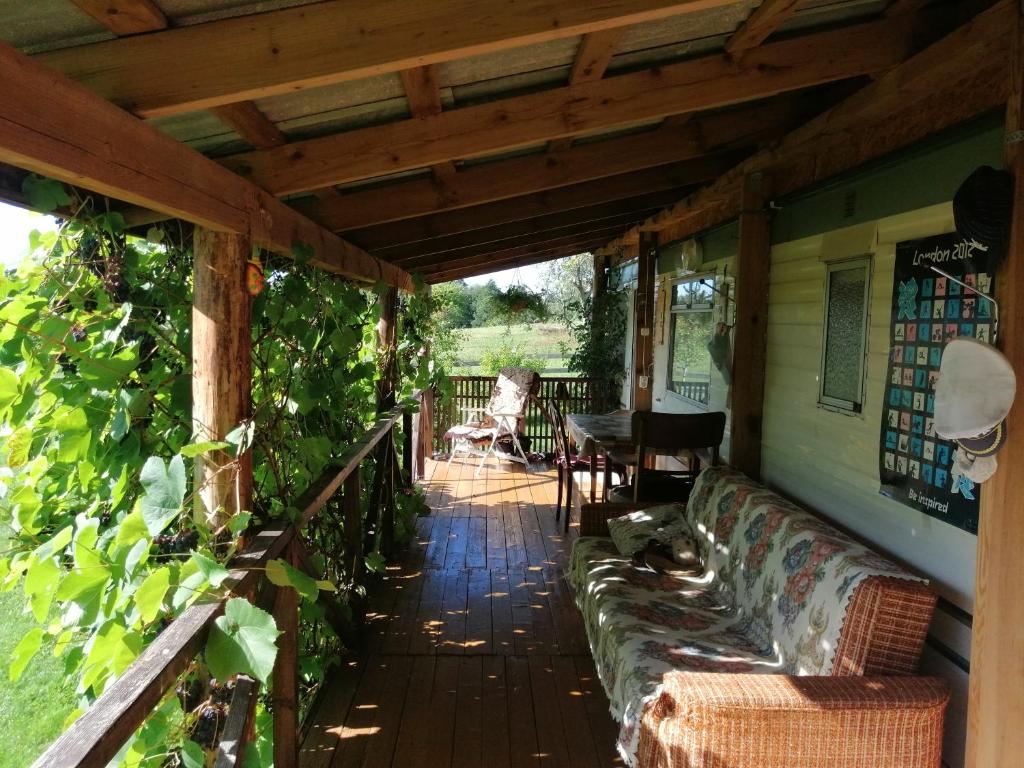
{"type": "Point", "coordinates": [33, 709]}
{"type": "Point", "coordinates": [539, 340]}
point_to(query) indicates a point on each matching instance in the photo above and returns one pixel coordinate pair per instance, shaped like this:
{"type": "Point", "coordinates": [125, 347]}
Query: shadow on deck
{"type": "Point", "coordinates": [476, 654]}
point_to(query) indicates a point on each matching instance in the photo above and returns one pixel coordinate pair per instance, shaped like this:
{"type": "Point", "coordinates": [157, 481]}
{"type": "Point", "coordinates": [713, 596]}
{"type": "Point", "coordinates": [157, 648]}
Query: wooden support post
{"type": "Point", "coordinates": [752, 267]}
{"type": "Point", "coordinates": [643, 328]}
{"type": "Point", "coordinates": [352, 509]}
{"type": "Point", "coordinates": [221, 372]}
{"type": "Point", "coordinates": [386, 349]}
{"type": "Point", "coordinates": [996, 701]}
{"type": "Point", "coordinates": [387, 507]}
{"type": "Point", "coordinates": [408, 470]}
{"type": "Point", "coordinates": [285, 694]}
{"type": "Point", "coordinates": [424, 432]}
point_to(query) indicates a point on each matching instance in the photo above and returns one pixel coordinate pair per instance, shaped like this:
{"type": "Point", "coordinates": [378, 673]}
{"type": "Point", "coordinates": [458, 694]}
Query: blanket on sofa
{"type": "Point", "coordinates": [772, 600]}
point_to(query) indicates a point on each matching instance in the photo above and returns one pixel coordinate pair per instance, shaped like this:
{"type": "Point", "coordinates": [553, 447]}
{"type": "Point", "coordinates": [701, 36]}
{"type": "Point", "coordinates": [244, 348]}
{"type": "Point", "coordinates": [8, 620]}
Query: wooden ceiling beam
{"type": "Point", "coordinates": [954, 79]}
{"type": "Point", "coordinates": [765, 19]}
{"type": "Point", "coordinates": [545, 223]}
{"type": "Point", "coordinates": [494, 262]}
{"type": "Point", "coordinates": [125, 17]}
{"type": "Point", "coordinates": [423, 91]}
{"type": "Point", "coordinates": [503, 179]}
{"type": "Point", "coordinates": [413, 260]}
{"type": "Point", "coordinates": [53, 126]}
{"type": "Point", "coordinates": [508, 262]}
{"type": "Point", "coordinates": [653, 180]}
{"type": "Point", "coordinates": [704, 83]}
{"type": "Point", "coordinates": [251, 124]}
{"type": "Point", "coordinates": [259, 55]}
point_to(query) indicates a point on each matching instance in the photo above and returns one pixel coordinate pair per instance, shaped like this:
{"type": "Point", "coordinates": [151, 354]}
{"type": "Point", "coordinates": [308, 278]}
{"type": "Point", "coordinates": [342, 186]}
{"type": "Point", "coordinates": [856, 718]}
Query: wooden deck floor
{"type": "Point", "coordinates": [476, 653]}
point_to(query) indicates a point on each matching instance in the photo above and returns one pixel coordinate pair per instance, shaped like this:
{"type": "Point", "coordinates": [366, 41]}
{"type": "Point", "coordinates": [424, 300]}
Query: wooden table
{"type": "Point", "coordinates": [600, 432]}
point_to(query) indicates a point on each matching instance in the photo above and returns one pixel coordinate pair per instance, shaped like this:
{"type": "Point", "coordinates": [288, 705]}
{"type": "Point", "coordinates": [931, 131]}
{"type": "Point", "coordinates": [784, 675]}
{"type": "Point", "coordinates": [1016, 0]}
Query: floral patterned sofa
{"type": "Point", "coordinates": [795, 649]}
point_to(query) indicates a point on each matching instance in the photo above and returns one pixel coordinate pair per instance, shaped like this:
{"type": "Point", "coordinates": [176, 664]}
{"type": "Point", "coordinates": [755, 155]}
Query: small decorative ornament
{"type": "Point", "coordinates": [254, 280]}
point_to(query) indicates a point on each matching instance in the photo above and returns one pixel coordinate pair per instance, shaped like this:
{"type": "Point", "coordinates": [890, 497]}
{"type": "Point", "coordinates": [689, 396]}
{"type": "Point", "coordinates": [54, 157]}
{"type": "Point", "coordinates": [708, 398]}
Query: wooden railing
{"type": "Point", "coordinates": [96, 737]}
{"type": "Point", "coordinates": [575, 395]}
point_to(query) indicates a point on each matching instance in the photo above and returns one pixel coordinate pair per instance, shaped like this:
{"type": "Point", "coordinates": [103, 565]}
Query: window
{"type": "Point", "coordinates": [689, 362]}
{"type": "Point", "coordinates": [845, 335]}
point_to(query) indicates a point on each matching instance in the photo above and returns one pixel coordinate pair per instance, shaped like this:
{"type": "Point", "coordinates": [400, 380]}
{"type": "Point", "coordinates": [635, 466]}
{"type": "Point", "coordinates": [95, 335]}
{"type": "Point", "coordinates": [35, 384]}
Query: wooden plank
{"type": "Point", "coordinates": [285, 686]}
{"type": "Point", "coordinates": [458, 539]}
{"type": "Point", "coordinates": [551, 743]}
{"type": "Point", "coordinates": [323, 736]}
{"type": "Point", "coordinates": [416, 716]}
{"type": "Point", "coordinates": [522, 722]}
{"type": "Point", "coordinates": [422, 90]}
{"type": "Point", "coordinates": [502, 624]}
{"type": "Point", "coordinates": [750, 339]}
{"type": "Point", "coordinates": [55, 127]}
{"type": "Point", "coordinates": [603, 729]}
{"type": "Point", "coordinates": [238, 724]}
{"type": "Point", "coordinates": [496, 728]}
{"type": "Point", "coordinates": [704, 83]}
{"type": "Point", "coordinates": [125, 17]}
{"type": "Point", "coordinates": [476, 546]}
{"type": "Point", "coordinates": [496, 559]}
{"type": "Point", "coordinates": [352, 514]}
{"type": "Point", "coordinates": [765, 19]}
{"type": "Point", "coordinates": [251, 124]}
{"type": "Point", "coordinates": [996, 702]}
{"type": "Point", "coordinates": [221, 372]}
{"type": "Point", "coordinates": [381, 749]}
{"type": "Point", "coordinates": [452, 634]}
{"type": "Point", "coordinates": [362, 718]}
{"type": "Point", "coordinates": [429, 623]}
{"type": "Point", "coordinates": [643, 324]}
{"type": "Point", "coordinates": [594, 55]}
{"type": "Point", "coordinates": [575, 718]}
{"type": "Point", "coordinates": [515, 547]}
{"type": "Point", "coordinates": [469, 716]}
{"type": "Point", "coordinates": [478, 613]}
{"type": "Point", "coordinates": [254, 56]}
{"type": "Point", "coordinates": [948, 82]}
{"type": "Point", "coordinates": [403, 624]}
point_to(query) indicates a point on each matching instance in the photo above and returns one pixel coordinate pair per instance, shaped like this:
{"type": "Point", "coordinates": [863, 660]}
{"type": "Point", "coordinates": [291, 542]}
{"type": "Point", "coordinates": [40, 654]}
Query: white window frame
{"type": "Point", "coordinates": [674, 309]}
{"type": "Point", "coordinates": [855, 407]}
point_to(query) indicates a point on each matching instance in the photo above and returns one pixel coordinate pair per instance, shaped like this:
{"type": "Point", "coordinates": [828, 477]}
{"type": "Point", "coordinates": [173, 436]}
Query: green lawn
{"type": "Point", "coordinates": [540, 340]}
{"type": "Point", "coordinates": [33, 709]}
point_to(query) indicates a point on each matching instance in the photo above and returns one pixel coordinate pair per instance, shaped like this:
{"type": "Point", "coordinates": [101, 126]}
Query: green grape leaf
{"type": "Point", "coordinates": [44, 195]}
{"type": "Point", "coordinates": [327, 586]}
{"type": "Point", "coordinates": [8, 388]}
{"type": "Point", "coordinates": [241, 437]}
{"type": "Point", "coordinates": [375, 562]}
{"type": "Point", "coordinates": [192, 755]}
{"type": "Point", "coordinates": [194, 449]}
{"type": "Point", "coordinates": [18, 446]}
{"type": "Point", "coordinates": [40, 586]}
{"type": "Point", "coordinates": [242, 640]}
{"type": "Point", "coordinates": [214, 572]}
{"type": "Point", "coordinates": [24, 651]}
{"type": "Point", "coordinates": [149, 596]}
{"type": "Point", "coordinates": [283, 575]}
{"type": "Point", "coordinates": [239, 522]}
{"type": "Point", "coordinates": [83, 585]}
{"type": "Point", "coordinates": [165, 491]}
{"type": "Point", "coordinates": [131, 530]}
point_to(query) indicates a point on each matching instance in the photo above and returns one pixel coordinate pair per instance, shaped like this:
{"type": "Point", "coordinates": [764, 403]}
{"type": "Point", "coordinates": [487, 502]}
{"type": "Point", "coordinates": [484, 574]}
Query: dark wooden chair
{"type": "Point", "coordinates": [669, 434]}
{"type": "Point", "coordinates": [567, 462]}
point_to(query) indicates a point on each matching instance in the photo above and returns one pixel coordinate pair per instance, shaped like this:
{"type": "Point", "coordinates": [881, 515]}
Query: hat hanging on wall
{"type": "Point", "coordinates": [983, 205]}
{"type": "Point", "coordinates": [973, 395]}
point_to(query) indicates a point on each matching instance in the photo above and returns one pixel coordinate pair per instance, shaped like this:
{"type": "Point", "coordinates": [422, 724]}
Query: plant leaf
{"type": "Point", "coordinates": [192, 755]}
{"type": "Point", "coordinates": [214, 572]}
{"type": "Point", "coordinates": [283, 575]}
{"type": "Point", "coordinates": [24, 651]}
{"type": "Point", "coordinates": [242, 640]}
{"type": "Point", "coordinates": [165, 492]}
{"type": "Point", "coordinates": [194, 449]}
{"type": "Point", "coordinates": [44, 195]}
{"type": "Point", "coordinates": [149, 596]}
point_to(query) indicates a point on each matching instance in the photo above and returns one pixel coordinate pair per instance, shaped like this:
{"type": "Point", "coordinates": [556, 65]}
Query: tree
{"type": "Point", "coordinates": [455, 303]}
{"type": "Point", "coordinates": [568, 283]}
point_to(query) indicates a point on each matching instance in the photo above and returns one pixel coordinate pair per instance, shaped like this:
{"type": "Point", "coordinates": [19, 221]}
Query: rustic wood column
{"type": "Point", "coordinates": [387, 331]}
{"type": "Point", "coordinates": [221, 372]}
{"type": "Point", "coordinates": [643, 323]}
{"type": "Point", "coordinates": [285, 693]}
{"type": "Point", "coordinates": [749, 349]}
{"type": "Point", "coordinates": [424, 432]}
{"type": "Point", "coordinates": [995, 714]}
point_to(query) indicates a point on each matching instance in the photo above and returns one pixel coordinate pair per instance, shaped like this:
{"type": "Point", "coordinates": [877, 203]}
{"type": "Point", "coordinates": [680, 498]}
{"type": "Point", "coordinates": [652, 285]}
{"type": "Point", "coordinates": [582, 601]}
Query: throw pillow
{"type": "Point", "coordinates": [632, 532]}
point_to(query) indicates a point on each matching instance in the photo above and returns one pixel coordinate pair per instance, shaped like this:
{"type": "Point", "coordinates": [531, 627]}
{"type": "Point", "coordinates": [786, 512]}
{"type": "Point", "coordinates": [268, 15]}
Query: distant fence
{"type": "Point", "coordinates": [575, 396]}
{"type": "Point", "coordinates": [699, 391]}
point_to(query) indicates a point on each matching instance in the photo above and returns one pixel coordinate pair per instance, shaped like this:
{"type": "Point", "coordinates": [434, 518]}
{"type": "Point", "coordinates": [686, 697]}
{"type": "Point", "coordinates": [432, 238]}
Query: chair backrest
{"type": "Point", "coordinates": [670, 433]}
{"type": "Point", "coordinates": [512, 391]}
{"type": "Point", "coordinates": [557, 420]}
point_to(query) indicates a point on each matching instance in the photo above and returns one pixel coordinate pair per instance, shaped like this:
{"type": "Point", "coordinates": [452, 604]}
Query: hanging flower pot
{"type": "Point", "coordinates": [519, 304]}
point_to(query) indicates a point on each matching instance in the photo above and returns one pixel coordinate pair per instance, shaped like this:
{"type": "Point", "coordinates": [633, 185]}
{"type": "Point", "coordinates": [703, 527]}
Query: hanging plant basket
{"type": "Point", "coordinates": [519, 304]}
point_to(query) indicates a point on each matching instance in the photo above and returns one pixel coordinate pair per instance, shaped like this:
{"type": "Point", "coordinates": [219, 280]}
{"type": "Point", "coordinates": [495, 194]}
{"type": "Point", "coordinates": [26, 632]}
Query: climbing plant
{"type": "Point", "coordinates": [95, 469]}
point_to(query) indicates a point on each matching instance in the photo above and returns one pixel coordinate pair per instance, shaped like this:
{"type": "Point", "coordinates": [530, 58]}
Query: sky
{"type": "Point", "coordinates": [530, 276]}
{"type": "Point", "coordinates": [15, 224]}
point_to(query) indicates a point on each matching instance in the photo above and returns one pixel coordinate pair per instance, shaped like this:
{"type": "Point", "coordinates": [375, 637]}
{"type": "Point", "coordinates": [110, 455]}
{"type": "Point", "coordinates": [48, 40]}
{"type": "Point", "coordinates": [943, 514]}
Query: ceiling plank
{"type": "Point", "coordinates": [52, 126]}
{"type": "Point", "coordinates": [765, 19]}
{"type": "Point", "coordinates": [704, 83]}
{"type": "Point", "coordinates": [259, 55]}
{"type": "Point", "coordinates": [952, 80]}
{"type": "Point", "coordinates": [592, 59]}
{"type": "Point", "coordinates": [517, 176]}
{"type": "Point", "coordinates": [548, 222]}
{"type": "Point", "coordinates": [251, 124]}
{"type": "Point", "coordinates": [125, 17]}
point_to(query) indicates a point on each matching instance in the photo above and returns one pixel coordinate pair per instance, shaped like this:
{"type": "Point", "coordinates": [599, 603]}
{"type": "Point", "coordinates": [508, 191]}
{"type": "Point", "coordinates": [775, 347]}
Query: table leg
{"type": "Point", "coordinates": [593, 475]}
{"type": "Point", "coordinates": [607, 476]}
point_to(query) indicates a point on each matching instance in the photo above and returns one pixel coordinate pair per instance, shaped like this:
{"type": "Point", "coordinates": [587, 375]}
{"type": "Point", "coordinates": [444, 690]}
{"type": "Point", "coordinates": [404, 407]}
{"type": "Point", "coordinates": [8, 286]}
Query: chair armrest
{"type": "Point", "coordinates": [594, 517]}
{"type": "Point", "coordinates": [780, 721]}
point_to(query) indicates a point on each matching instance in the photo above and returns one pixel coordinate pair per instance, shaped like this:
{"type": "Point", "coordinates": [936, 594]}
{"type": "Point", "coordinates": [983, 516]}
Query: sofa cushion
{"type": "Point", "coordinates": [632, 532]}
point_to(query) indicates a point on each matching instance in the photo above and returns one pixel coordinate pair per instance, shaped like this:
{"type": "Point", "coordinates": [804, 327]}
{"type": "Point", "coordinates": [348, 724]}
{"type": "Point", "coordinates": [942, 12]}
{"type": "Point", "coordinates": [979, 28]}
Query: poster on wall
{"type": "Point", "coordinates": [915, 466]}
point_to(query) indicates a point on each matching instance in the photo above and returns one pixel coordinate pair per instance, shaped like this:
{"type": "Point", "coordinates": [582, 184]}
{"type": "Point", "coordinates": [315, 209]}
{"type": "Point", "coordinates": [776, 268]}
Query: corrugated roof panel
{"type": "Point", "coordinates": [721, 20]}
{"type": "Point", "coordinates": [502, 64]}
{"type": "Point", "coordinates": [202, 131]}
{"type": "Point", "coordinates": [39, 24]}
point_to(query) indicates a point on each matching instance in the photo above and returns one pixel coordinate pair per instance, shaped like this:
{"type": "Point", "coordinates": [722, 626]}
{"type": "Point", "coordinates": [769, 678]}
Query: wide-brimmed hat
{"type": "Point", "coordinates": [973, 395]}
{"type": "Point", "coordinates": [983, 205]}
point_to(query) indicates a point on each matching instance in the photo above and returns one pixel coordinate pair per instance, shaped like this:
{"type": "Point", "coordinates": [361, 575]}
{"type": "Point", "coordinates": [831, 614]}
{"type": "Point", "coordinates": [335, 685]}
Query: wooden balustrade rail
{"type": "Point", "coordinates": [575, 395]}
{"type": "Point", "coordinates": [96, 737]}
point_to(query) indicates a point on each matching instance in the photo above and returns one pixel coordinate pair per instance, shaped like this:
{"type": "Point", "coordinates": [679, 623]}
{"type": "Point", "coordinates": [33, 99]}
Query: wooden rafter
{"type": "Point", "coordinates": [765, 19]}
{"type": "Point", "coordinates": [952, 80]}
{"type": "Point", "coordinates": [653, 180]}
{"type": "Point", "coordinates": [518, 176]}
{"type": "Point", "coordinates": [251, 124]}
{"type": "Point", "coordinates": [52, 126]}
{"type": "Point", "coordinates": [513, 258]}
{"type": "Point", "coordinates": [704, 83]}
{"type": "Point", "coordinates": [424, 95]}
{"type": "Point", "coordinates": [125, 17]}
{"type": "Point", "coordinates": [544, 223]}
{"type": "Point", "coordinates": [238, 59]}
